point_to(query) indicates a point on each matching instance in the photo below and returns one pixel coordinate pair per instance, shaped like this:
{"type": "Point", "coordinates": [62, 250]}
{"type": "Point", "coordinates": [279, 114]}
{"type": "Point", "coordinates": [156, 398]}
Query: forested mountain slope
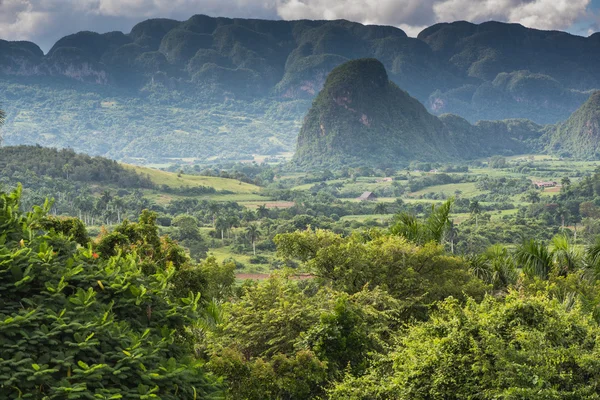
{"type": "Point", "coordinates": [232, 88]}
{"type": "Point", "coordinates": [360, 117]}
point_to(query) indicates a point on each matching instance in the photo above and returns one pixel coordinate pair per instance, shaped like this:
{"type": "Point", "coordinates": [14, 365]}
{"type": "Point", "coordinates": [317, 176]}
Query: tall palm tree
{"type": "Point", "coordinates": [253, 234]}
{"type": "Point", "coordinates": [221, 224]}
{"type": "Point", "coordinates": [262, 211]}
{"type": "Point", "coordinates": [475, 210]}
{"type": "Point", "coordinates": [532, 196]}
{"type": "Point", "coordinates": [213, 208]}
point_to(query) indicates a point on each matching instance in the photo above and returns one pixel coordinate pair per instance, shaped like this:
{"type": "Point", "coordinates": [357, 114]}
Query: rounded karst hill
{"type": "Point", "coordinates": [361, 117]}
{"type": "Point", "coordinates": [579, 136]}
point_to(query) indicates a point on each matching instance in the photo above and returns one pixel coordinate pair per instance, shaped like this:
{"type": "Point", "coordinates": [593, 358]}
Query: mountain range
{"type": "Point", "coordinates": [233, 88]}
{"type": "Point", "coordinates": [363, 118]}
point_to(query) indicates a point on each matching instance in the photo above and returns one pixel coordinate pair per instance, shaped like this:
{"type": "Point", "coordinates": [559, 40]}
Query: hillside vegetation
{"type": "Point", "coordinates": [237, 89]}
{"type": "Point", "coordinates": [360, 117]}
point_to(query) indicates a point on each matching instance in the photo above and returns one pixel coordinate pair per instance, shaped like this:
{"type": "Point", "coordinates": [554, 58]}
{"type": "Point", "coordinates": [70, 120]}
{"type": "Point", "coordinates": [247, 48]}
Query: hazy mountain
{"type": "Point", "coordinates": [226, 87]}
{"type": "Point", "coordinates": [579, 136]}
{"type": "Point", "coordinates": [361, 117]}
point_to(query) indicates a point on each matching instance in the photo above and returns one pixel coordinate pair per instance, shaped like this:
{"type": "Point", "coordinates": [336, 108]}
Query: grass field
{"type": "Point", "coordinates": [467, 189]}
{"type": "Point", "coordinates": [223, 253]}
{"type": "Point", "coordinates": [171, 179]}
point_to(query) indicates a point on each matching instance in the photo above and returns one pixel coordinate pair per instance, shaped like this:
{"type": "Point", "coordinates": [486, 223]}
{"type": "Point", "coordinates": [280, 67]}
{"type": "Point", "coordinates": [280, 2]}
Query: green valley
{"type": "Point", "coordinates": [249, 209]}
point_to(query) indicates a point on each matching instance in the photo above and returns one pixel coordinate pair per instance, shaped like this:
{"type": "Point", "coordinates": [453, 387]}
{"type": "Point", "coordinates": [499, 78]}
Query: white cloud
{"type": "Point", "coordinates": [386, 12]}
{"type": "Point", "coordinates": [541, 14]}
{"type": "Point", "coordinates": [45, 21]}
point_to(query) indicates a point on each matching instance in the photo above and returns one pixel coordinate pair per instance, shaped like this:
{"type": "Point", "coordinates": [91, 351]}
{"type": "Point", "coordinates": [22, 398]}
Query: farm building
{"type": "Point", "coordinates": [367, 196]}
{"type": "Point", "coordinates": [541, 184]}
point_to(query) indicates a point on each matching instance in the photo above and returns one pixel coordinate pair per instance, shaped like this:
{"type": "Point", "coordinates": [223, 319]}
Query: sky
{"type": "Point", "coordinates": [46, 21]}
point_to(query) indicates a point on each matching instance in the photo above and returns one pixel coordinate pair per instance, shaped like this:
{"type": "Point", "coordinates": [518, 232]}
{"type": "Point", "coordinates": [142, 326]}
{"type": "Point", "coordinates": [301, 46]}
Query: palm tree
{"type": "Point", "coordinates": [253, 234]}
{"type": "Point", "coordinates": [451, 235]}
{"type": "Point", "coordinates": [532, 196]}
{"type": "Point", "coordinates": [475, 210]}
{"type": "Point", "coordinates": [565, 256]}
{"type": "Point", "coordinates": [535, 259]}
{"type": "Point", "coordinates": [495, 266]}
{"type": "Point", "coordinates": [67, 169]}
{"type": "Point", "coordinates": [221, 224]}
{"type": "Point", "coordinates": [563, 212]}
{"type": "Point", "coordinates": [213, 208]}
{"type": "Point", "coordinates": [592, 259]}
{"type": "Point", "coordinates": [262, 211]}
{"type": "Point", "coordinates": [432, 229]}
{"type": "Point", "coordinates": [232, 222]}
{"type": "Point", "coordinates": [381, 209]}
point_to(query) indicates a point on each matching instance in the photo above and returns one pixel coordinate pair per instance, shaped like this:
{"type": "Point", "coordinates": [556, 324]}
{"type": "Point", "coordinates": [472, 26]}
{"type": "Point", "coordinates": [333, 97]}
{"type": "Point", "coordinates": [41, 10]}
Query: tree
{"type": "Point", "coordinates": [497, 162]}
{"type": "Point", "coordinates": [533, 196]}
{"type": "Point", "coordinates": [495, 266]}
{"type": "Point", "coordinates": [535, 259]}
{"type": "Point", "coordinates": [432, 229]}
{"type": "Point", "coordinates": [221, 225]}
{"type": "Point", "coordinates": [188, 227]}
{"type": "Point", "coordinates": [281, 341]}
{"type": "Point", "coordinates": [262, 211]}
{"type": "Point", "coordinates": [381, 209]}
{"type": "Point", "coordinates": [213, 208]}
{"type": "Point", "coordinates": [475, 210]}
{"type": "Point", "coordinates": [253, 235]}
{"type": "Point", "coordinates": [78, 325]}
{"type": "Point", "coordinates": [518, 347]}
{"type": "Point", "coordinates": [565, 182]}
{"type": "Point", "coordinates": [67, 169]}
{"type": "Point", "coordinates": [417, 275]}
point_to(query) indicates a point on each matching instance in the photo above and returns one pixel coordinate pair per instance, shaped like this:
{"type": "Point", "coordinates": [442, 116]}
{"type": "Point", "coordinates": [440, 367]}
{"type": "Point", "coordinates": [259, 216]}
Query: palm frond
{"type": "Point", "coordinates": [535, 259]}
{"type": "Point", "coordinates": [439, 220]}
{"type": "Point", "coordinates": [565, 256]}
{"type": "Point", "coordinates": [409, 227]}
{"type": "Point", "coordinates": [592, 259]}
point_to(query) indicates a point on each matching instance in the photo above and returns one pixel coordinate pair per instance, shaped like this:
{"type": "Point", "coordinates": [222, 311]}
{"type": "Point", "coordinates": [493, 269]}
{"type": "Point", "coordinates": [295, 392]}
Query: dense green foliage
{"type": "Point", "coordinates": [79, 326]}
{"type": "Point", "coordinates": [514, 348]}
{"type": "Point", "coordinates": [28, 163]}
{"type": "Point", "coordinates": [386, 312]}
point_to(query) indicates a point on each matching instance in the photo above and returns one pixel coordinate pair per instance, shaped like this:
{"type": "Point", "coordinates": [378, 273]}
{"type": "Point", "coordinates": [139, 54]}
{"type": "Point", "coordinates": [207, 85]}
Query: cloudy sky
{"type": "Point", "coordinates": [45, 21]}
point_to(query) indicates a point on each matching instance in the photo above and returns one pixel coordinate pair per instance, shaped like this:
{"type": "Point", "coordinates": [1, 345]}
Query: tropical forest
{"type": "Point", "coordinates": [296, 209]}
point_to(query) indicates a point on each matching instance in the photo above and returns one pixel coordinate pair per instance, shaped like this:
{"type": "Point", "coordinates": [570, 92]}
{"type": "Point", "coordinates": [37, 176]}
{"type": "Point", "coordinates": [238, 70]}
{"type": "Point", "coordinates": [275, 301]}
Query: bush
{"type": "Point", "coordinates": [78, 326]}
{"type": "Point", "coordinates": [259, 260]}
